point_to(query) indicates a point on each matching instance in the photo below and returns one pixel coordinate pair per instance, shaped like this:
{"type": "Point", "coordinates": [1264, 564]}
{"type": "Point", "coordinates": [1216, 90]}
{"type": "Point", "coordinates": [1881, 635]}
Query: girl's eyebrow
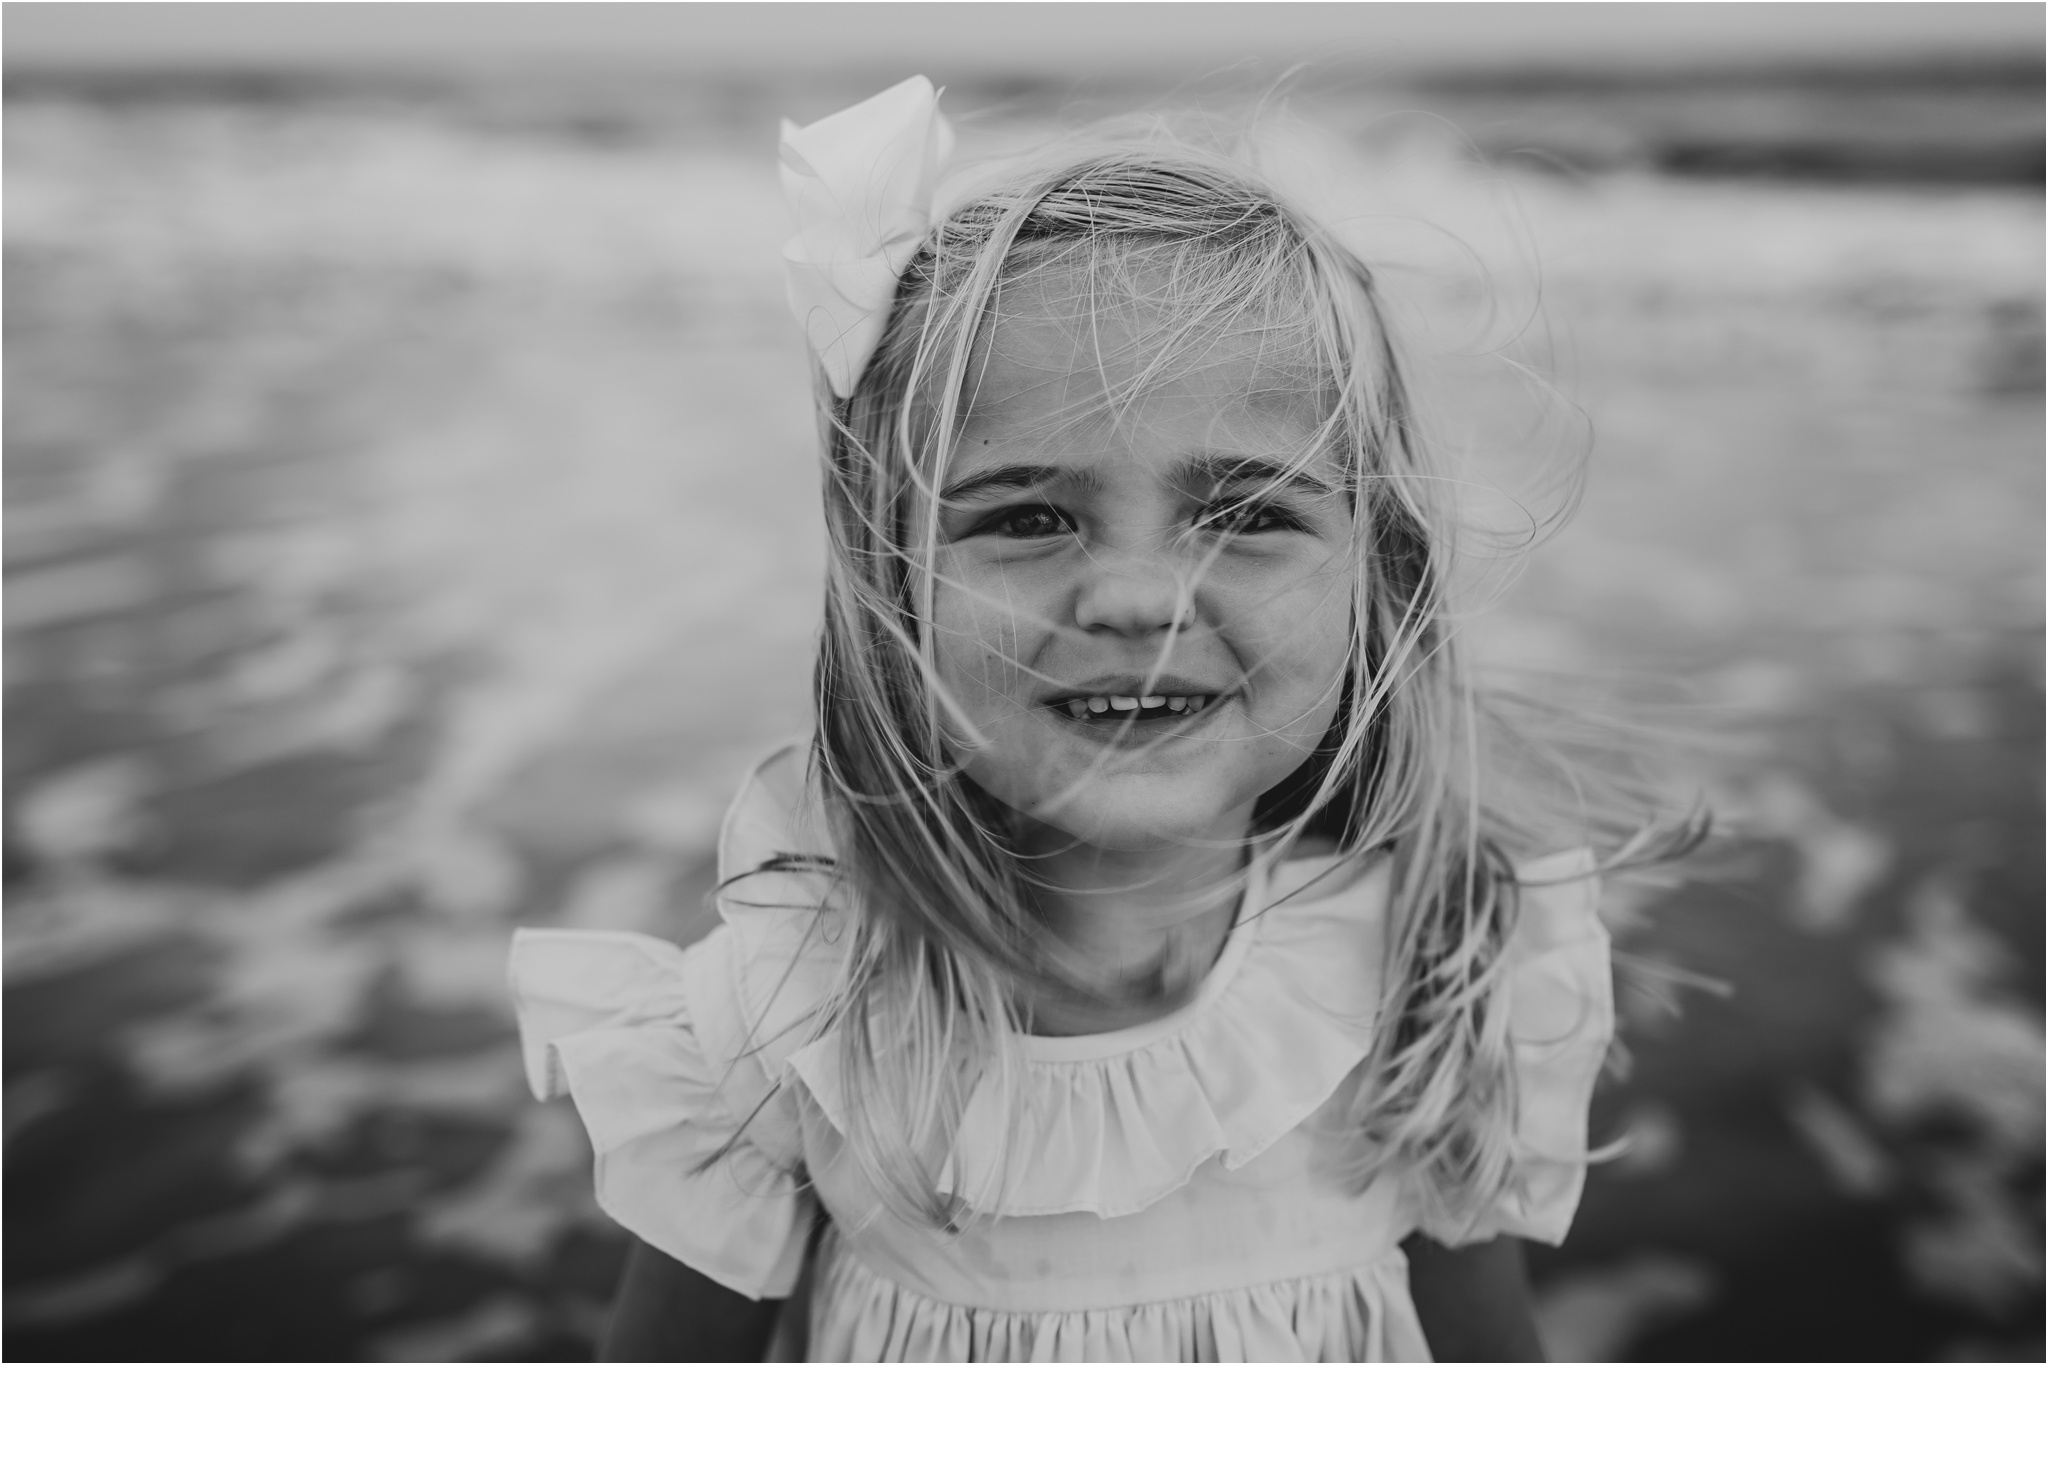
{"type": "Point", "coordinates": [1217, 472]}
{"type": "Point", "coordinates": [1208, 472]}
{"type": "Point", "coordinates": [1010, 475]}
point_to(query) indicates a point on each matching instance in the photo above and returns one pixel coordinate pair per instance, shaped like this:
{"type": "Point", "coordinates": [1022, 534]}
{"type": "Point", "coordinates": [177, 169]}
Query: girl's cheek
{"type": "Point", "coordinates": [1320, 600]}
{"type": "Point", "coordinates": [1297, 612]}
{"type": "Point", "coordinates": [987, 633]}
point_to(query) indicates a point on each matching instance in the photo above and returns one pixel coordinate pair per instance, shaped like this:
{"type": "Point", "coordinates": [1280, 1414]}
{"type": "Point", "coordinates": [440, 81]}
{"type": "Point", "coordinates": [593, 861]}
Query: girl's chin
{"type": "Point", "coordinates": [1125, 821]}
{"type": "Point", "coordinates": [1176, 792]}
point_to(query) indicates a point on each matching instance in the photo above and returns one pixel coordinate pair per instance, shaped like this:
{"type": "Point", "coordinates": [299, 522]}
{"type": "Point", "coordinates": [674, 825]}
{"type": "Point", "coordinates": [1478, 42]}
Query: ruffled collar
{"type": "Point", "coordinates": [1109, 1123]}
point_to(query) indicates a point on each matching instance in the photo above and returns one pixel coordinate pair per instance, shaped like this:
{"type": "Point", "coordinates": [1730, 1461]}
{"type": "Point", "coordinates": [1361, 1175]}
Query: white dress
{"type": "Point", "coordinates": [1169, 1196]}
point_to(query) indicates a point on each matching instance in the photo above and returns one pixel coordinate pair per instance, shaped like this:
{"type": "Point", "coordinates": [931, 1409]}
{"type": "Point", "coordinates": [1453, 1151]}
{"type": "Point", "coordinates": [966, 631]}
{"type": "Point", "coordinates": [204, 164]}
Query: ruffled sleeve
{"type": "Point", "coordinates": [1560, 996]}
{"type": "Point", "coordinates": [651, 1043]}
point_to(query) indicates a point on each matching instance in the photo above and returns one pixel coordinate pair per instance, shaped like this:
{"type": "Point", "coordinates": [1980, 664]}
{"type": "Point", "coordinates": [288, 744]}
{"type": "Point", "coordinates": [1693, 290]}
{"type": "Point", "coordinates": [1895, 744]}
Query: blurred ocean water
{"type": "Point", "coordinates": [410, 534]}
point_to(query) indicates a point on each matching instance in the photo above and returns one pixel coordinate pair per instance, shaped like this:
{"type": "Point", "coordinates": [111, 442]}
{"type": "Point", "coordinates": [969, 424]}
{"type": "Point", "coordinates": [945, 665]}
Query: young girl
{"type": "Point", "coordinates": [1142, 961]}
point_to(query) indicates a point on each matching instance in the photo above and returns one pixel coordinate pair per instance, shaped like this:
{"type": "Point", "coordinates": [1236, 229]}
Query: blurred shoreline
{"type": "Point", "coordinates": [1960, 120]}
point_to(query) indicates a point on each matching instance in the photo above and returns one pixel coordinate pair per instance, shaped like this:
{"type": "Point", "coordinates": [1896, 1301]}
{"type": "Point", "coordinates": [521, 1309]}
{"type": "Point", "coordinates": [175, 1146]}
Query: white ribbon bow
{"type": "Point", "coordinates": [860, 185]}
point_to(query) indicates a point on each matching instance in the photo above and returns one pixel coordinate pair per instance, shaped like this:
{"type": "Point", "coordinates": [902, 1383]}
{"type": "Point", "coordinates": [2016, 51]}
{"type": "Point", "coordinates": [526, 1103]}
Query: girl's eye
{"type": "Point", "coordinates": [1028, 521]}
{"type": "Point", "coordinates": [1249, 516]}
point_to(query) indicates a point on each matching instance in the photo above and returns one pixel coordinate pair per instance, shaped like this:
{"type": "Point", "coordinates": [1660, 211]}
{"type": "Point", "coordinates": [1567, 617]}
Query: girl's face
{"type": "Point", "coordinates": [1095, 548]}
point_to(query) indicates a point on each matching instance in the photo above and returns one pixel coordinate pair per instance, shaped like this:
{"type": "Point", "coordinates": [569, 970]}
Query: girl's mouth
{"type": "Point", "coordinates": [1128, 719]}
{"type": "Point", "coordinates": [1117, 709]}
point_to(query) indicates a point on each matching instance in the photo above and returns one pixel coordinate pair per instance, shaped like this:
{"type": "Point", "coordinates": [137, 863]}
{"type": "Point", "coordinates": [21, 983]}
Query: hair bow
{"type": "Point", "coordinates": [860, 185]}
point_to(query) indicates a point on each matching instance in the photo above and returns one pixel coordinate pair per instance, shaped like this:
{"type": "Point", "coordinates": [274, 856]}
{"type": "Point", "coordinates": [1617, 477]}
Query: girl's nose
{"type": "Point", "coordinates": [1134, 594]}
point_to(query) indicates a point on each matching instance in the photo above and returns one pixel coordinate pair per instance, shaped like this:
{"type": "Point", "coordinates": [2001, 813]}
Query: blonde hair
{"type": "Point", "coordinates": [946, 958]}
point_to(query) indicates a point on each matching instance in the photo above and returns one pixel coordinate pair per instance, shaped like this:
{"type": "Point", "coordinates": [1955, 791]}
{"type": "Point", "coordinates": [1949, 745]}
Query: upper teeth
{"type": "Point", "coordinates": [1112, 702]}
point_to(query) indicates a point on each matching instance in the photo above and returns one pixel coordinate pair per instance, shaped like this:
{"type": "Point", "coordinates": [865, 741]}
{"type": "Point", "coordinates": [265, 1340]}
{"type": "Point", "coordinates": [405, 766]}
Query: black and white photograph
{"type": "Point", "coordinates": [1090, 682]}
